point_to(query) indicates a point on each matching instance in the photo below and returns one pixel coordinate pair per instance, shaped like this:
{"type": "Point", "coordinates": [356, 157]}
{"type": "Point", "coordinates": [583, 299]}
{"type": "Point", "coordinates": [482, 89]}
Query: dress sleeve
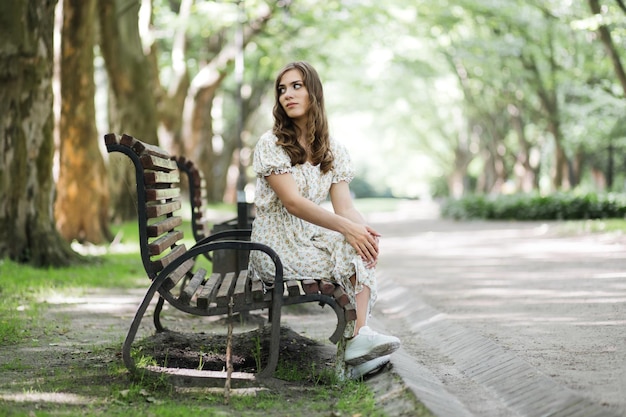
{"type": "Point", "coordinates": [270, 158]}
{"type": "Point", "coordinates": [342, 165]}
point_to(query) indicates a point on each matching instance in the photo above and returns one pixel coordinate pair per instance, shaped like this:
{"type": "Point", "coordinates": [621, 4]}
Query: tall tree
{"type": "Point", "coordinates": [132, 103]}
{"type": "Point", "coordinates": [27, 227]}
{"type": "Point", "coordinates": [82, 206]}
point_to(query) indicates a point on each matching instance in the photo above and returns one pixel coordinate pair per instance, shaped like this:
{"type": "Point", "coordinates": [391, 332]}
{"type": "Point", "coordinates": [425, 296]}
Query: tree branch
{"type": "Point", "coordinates": [607, 40]}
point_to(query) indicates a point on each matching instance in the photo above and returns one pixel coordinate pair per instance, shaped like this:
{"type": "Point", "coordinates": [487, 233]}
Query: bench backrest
{"type": "Point", "coordinates": [197, 197]}
{"type": "Point", "coordinates": [158, 198]}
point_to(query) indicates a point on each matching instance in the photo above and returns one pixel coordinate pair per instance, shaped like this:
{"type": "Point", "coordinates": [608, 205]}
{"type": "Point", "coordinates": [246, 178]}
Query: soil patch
{"type": "Point", "coordinates": [204, 351]}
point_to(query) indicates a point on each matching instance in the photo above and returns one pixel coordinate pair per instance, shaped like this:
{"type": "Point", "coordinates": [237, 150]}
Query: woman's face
{"type": "Point", "coordinates": [293, 95]}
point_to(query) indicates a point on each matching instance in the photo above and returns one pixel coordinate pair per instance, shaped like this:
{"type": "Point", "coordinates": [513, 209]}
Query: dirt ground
{"type": "Point", "coordinates": [70, 349]}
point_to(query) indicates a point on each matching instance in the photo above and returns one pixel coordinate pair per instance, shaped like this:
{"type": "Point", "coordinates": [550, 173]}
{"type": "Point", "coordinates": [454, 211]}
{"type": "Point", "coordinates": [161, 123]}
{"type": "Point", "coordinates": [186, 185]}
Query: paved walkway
{"type": "Point", "coordinates": [504, 318]}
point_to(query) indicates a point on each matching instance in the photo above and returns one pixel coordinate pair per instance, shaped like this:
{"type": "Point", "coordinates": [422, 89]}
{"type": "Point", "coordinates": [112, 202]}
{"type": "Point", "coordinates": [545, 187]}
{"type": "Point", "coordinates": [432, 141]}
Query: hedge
{"type": "Point", "coordinates": [558, 206]}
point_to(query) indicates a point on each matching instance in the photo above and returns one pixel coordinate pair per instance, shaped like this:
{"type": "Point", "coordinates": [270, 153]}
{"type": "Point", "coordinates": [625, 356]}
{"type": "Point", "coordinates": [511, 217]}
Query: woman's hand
{"type": "Point", "coordinates": [375, 262]}
{"type": "Point", "coordinates": [364, 240]}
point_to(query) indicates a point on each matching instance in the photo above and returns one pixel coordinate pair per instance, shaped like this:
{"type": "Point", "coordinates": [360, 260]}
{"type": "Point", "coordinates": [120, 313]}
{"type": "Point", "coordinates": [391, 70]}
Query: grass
{"type": "Point", "coordinates": [594, 226]}
{"type": "Point", "coordinates": [23, 289]}
{"type": "Point", "coordinates": [94, 381]}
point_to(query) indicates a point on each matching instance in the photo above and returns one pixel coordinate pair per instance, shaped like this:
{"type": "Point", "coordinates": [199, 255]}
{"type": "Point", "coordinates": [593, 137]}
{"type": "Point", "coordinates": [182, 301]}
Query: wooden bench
{"type": "Point", "coordinates": [188, 287]}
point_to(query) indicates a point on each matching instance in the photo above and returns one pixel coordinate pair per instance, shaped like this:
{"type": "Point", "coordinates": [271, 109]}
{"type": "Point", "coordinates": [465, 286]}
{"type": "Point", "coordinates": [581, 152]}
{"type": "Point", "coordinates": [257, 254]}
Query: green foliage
{"type": "Point", "coordinates": [418, 91]}
{"type": "Point", "coordinates": [558, 206]}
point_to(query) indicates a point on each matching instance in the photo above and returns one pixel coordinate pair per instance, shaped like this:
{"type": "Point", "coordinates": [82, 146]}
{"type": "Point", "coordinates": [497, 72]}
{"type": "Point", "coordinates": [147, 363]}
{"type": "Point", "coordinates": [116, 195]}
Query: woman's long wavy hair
{"type": "Point", "coordinates": [317, 125]}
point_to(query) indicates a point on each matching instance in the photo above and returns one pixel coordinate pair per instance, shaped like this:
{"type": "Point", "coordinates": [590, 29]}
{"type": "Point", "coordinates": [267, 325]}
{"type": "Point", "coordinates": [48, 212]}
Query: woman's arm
{"type": "Point", "coordinates": [343, 205]}
{"type": "Point", "coordinates": [361, 237]}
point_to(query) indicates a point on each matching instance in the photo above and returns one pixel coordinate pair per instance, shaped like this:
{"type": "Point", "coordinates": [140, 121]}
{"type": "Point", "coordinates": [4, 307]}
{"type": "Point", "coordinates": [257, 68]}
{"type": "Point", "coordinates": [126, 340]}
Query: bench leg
{"type": "Point", "coordinates": [340, 364]}
{"type": "Point", "coordinates": [275, 312]}
{"type": "Point", "coordinates": [134, 326]}
{"type": "Point", "coordinates": [157, 315]}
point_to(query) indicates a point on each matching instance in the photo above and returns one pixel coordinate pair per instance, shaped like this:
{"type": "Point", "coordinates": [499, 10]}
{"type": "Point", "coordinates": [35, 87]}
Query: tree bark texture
{"type": "Point", "coordinates": [132, 103]}
{"type": "Point", "coordinates": [82, 204]}
{"type": "Point", "coordinates": [27, 226]}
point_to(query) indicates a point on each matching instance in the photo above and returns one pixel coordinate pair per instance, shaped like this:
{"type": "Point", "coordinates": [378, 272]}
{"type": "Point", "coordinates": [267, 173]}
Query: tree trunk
{"type": "Point", "coordinates": [577, 166]}
{"type": "Point", "coordinates": [607, 40]}
{"type": "Point", "coordinates": [457, 181]}
{"type": "Point", "coordinates": [560, 175]}
{"type": "Point", "coordinates": [547, 94]}
{"type": "Point", "coordinates": [198, 123]}
{"type": "Point", "coordinates": [171, 98]}
{"type": "Point", "coordinates": [132, 104]}
{"type": "Point", "coordinates": [82, 204]}
{"type": "Point", "coordinates": [525, 174]}
{"type": "Point", "coordinates": [27, 227]}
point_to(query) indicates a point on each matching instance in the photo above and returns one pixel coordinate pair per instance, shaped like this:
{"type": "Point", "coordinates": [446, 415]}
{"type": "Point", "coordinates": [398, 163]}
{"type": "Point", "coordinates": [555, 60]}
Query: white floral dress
{"type": "Point", "coordinates": [307, 251]}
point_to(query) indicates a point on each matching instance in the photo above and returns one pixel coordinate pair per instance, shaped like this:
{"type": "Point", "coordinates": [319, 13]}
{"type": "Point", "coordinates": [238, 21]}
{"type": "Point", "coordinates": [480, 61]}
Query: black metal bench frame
{"type": "Point", "coordinates": [170, 265]}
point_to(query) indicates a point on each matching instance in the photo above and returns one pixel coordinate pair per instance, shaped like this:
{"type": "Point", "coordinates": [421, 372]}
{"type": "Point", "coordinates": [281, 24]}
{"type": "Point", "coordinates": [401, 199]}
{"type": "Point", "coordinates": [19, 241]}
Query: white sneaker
{"type": "Point", "coordinates": [359, 371]}
{"type": "Point", "coordinates": [368, 345]}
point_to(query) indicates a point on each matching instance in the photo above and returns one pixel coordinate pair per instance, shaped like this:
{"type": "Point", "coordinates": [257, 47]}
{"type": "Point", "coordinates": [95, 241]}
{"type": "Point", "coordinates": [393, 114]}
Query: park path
{"type": "Point", "coordinates": [504, 318]}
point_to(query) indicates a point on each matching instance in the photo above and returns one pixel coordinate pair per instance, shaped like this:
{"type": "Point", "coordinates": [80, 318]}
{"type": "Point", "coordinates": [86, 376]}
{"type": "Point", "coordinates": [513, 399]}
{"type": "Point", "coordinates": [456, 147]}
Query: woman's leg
{"type": "Point", "coordinates": [367, 345]}
{"type": "Point", "coordinates": [362, 305]}
{"type": "Point", "coordinates": [362, 308]}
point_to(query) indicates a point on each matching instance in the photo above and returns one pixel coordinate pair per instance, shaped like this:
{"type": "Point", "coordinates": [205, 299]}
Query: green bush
{"type": "Point", "coordinates": [558, 206]}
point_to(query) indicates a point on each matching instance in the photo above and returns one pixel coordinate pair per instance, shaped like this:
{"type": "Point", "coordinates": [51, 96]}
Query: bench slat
{"type": "Point", "coordinates": [350, 312]}
{"type": "Point", "coordinates": [141, 147]}
{"type": "Point", "coordinates": [159, 210]}
{"type": "Point", "coordinates": [341, 296]}
{"type": "Point", "coordinates": [192, 286]}
{"type": "Point", "coordinates": [310, 286]}
{"type": "Point", "coordinates": [156, 177]}
{"type": "Point", "coordinates": [159, 264]}
{"type": "Point", "coordinates": [157, 163]}
{"type": "Point", "coordinates": [208, 292]}
{"type": "Point", "coordinates": [179, 273]}
{"type": "Point", "coordinates": [202, 229]}
{"type": "Point", "coordinates": [159, 245]}
{"type": "Point", "coordinates": [154, 194]}
{"type": "Point", "coordinates": [226, 289]}
{"type": "Point", "coordinates": [257, 290]}
{"type": "Point", "coordinates": [111, 139]}
{"type": "Point", "coordinates": [293, 287]}
{"type": "Point", "coordinates": [239, 296]}
{"type": "Point", "coordinates": [327, 287]}
{"type": "Point", "coordinates": [169, 223]}
{"type": "Point", "coordinates": [197, 179]}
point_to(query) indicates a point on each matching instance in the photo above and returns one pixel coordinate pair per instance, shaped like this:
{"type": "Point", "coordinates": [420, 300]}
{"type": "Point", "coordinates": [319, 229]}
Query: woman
{"type": "Point", "coordinates": [298, 165]}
